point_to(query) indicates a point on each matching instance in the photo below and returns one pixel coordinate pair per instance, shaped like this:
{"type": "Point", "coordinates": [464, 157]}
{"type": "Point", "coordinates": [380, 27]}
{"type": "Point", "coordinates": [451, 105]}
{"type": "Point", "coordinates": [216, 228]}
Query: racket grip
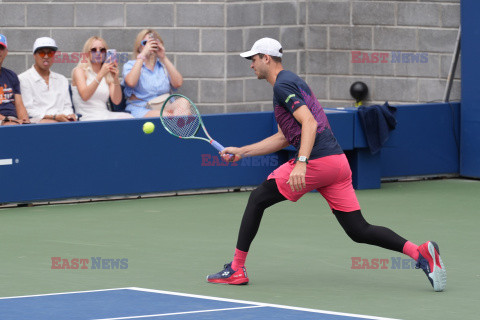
{"type": "Point", "coordinates": [217, 145]}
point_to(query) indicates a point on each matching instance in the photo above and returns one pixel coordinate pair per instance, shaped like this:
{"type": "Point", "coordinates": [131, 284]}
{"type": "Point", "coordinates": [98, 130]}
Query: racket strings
{"type": "Point", "coordinates": [181, 118]}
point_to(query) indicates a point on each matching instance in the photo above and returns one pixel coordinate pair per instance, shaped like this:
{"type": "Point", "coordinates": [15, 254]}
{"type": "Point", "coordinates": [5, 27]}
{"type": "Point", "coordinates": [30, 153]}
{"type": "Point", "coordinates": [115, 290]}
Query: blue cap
{"type": "Point", "coordinates": [3, 40]}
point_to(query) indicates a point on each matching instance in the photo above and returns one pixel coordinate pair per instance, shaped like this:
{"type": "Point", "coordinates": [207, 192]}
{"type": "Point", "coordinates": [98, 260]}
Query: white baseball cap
{"type": "Point", "coordinates": [44, 42]}
{"type": "Point", "coordinates": [266, 46]}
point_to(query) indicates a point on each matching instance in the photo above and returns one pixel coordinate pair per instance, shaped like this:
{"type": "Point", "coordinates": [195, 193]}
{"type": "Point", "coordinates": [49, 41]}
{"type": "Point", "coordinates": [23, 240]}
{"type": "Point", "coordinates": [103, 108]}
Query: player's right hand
{"type": "Point", "coordinates": [227, 153]}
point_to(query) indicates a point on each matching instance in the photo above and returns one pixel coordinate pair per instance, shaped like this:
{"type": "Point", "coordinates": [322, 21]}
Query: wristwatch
{"type": "Point", "coordinates": [301, 159]}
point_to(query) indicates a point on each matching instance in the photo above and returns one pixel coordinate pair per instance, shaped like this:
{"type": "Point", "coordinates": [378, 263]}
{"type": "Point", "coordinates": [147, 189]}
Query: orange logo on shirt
{"type": "Point", "coordinates": [6, 94]}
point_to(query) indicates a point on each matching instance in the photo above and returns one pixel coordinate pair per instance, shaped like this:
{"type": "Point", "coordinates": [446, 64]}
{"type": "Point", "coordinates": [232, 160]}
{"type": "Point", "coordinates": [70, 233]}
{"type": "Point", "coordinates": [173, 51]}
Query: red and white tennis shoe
{"type": "Point", "coordinates": [430, 262]}
{"type": "Point", "coordinates": [229, 276]}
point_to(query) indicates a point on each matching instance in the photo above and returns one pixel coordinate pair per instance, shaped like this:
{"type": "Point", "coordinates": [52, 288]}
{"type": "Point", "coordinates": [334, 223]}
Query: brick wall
{"type": "Point", "coordinates": [204, 38]}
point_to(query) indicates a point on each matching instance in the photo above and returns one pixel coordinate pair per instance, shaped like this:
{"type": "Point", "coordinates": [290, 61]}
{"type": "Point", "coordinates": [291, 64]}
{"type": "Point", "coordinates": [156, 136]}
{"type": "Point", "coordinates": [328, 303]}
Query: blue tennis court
{"type": "Point", "coordinates": [139, 303]}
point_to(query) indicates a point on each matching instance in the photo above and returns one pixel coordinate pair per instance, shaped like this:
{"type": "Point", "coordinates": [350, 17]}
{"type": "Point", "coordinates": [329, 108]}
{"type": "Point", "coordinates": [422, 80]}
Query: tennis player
{"type": "Point", "coordinates": [320, 164]}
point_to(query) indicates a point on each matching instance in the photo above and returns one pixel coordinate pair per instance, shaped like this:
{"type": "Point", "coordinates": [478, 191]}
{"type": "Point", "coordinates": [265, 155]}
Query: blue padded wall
{"type": "Point", "coordinates": [425, 141]}
{"type": "Point", "coordinates": [53, 161]}
{"type": "Point", "coordinates": [100, 158]}
{"type": "Point", "coordinates": [470, 133]}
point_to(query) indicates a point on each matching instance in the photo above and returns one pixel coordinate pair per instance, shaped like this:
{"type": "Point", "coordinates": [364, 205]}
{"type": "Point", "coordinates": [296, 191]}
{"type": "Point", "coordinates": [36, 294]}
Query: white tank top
{"type": "Point", "coordinates": [94, 108]}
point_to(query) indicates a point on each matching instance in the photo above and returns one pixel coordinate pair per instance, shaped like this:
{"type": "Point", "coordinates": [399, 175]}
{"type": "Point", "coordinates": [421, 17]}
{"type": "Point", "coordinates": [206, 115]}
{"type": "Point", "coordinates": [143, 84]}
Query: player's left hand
{"type": "Point", "coordinates": [297, 177]}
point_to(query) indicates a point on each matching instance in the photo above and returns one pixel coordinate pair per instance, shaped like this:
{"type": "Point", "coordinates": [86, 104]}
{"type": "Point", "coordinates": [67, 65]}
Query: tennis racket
{"type": "Point", "coordinates": [181, 118]}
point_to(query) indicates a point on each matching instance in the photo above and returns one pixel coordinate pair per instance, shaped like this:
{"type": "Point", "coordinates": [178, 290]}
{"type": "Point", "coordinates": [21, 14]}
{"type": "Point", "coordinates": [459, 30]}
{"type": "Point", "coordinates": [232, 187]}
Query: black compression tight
{"type": "Point", "coordinates": [361, 231]}
{"type": "Point", "coordinates": [264, 196]}
{"type": "Point", "coordinates": [353, 223]}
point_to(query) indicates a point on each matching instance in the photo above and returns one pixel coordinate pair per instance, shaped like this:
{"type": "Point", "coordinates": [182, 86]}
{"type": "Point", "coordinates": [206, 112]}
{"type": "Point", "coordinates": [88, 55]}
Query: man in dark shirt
{"type": "Point", "coordinates": [12, 110]}
{"type": "Point", "coordinates": [320, 164]}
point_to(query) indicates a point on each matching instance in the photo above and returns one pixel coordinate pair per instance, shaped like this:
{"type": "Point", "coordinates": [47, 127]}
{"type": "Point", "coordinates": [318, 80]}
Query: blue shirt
{"type": "Point", "coordinates": [9, 87]}
{"type": "Point", "coordinates": [289, 93]}
{"type": "Point", "coordinates": [151, 83]}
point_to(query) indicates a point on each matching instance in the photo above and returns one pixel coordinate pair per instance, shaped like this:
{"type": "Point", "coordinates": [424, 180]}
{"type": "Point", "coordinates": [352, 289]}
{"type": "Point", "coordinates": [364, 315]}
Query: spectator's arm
{"type": "Point", "coordinates": [79, 80]}
{"type": "Point", "coordinates": [131, 73]}
{"type": "Point", "coordinates": [27, 99]}
{"type": "Point", "coordinates": [22, 113]}
{"type": "Point", "coordinates": [176, 78]}
{"type": "Point", "coordinates": [115, 88]}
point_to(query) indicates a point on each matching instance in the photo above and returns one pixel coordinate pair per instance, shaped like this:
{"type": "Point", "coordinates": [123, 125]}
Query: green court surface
{"type": "Point", "coordinates": [300, 257]}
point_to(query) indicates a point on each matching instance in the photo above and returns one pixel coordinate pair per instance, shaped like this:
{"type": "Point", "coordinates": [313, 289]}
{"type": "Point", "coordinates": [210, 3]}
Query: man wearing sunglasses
{"type": "Point", "coordinates": [45, 93]}
{"type": "Point", "coordinates": [12, 110]}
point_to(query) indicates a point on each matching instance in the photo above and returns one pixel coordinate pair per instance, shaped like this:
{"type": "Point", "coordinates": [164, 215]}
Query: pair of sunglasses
{"type": "Point", "coordinates": [102, 50]}
{"type": "Point", "coordinates": [42, 54]}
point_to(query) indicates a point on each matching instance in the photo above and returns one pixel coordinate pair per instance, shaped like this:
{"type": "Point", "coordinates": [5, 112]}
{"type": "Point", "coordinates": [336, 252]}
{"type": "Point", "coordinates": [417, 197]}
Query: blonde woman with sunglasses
{"type": "Point", "coordinates": [94, 80]}
{"type": "Point", "coordinates": [45, 93]}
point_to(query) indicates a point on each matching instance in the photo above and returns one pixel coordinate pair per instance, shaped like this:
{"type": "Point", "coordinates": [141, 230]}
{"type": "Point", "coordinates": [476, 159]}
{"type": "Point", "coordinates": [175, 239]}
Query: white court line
{"type": "Point", "coordinates": [60, 293]}
{"type": "Point", "coordinates": [6, 162]}
{"type": "Point", "coordinates": [177, 313]}
{"type": "Point", "coordinates": [212, 298]}
{"type": "Point", "coordinates": [260, 304]}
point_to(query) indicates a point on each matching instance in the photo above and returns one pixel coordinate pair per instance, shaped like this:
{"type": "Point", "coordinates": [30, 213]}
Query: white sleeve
{"type": "Point", "coordinates": [27, 96]}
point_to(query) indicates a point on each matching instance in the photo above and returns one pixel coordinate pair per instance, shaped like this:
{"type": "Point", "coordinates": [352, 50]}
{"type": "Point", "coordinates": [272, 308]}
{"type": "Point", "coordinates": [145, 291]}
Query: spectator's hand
{"type": "Point", "coordinates": [114, 71]}
{"type": "Point", "coordinates": [161, 51]}
{"type": "Point", "coordinates": [150, 47]}
{"type": "Point", "coordinates": [25, 120]}
{"type": "Point", "coordinates": [105, 69]}
{"type": "Point", "coordinates": [65, 118]}
{"type": "Point", "coordinates": [61, 118]}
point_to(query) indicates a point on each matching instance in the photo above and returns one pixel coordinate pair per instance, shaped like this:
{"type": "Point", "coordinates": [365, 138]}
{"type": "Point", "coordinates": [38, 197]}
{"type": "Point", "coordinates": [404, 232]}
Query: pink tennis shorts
{"type": "Point", "coordinates": [331, 176]}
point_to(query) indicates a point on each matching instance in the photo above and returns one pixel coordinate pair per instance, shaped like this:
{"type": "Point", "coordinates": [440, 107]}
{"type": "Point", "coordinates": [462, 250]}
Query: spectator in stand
{"type": "Point", "coordinates": [94, 80]}
{"type": "Point", "coordinates": [150, 75]}
{"type": "Point", "coordinates": [12, 110]}
{"type": "Point", "coordinates": [45, 93]}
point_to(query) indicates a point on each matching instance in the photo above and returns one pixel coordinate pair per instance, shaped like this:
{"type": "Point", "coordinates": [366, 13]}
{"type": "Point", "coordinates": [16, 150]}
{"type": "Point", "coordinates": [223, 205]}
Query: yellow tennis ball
{"type": "Point", "coordinates": [148, 127]}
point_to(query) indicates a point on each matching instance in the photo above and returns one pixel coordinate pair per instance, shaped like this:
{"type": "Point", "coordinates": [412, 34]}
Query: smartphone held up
{"type": "Point", "coordinates": [111, 56]}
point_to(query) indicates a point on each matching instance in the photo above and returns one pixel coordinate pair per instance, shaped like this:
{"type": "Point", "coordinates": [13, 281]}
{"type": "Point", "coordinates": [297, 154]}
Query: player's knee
{"type": "Point", "coordinates": [259, 197]}
{"type": "Point", "coordinates": [359, 233]}
{"type": "Point", "coordinates": [256, 197]}
{"type": "Point", "coordinates": [355, 226]}
{"type": "Point", "coordinates": [357, 236]}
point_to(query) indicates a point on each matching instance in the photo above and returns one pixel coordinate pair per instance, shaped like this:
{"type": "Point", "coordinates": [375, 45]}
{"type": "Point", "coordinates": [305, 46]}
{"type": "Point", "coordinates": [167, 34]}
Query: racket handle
{"type": "Point", "coordinates": [219, 147]}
